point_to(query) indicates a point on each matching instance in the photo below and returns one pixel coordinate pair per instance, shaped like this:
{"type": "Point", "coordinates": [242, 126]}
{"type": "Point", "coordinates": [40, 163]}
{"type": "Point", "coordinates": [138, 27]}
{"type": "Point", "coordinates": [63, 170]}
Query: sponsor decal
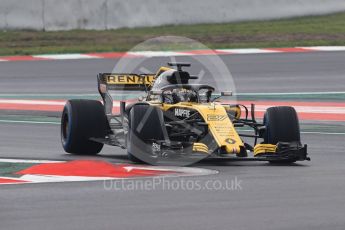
{"type": "Point", "coordinates": [182, 112]}
{"type": "Point", "coordinates": [230, 141]}
{"type": "Point", "coordinates": [223, 131]}
{"type": "Point", "coordinates": [129, 79]}
{"type": "Point", "coordinates": [215, 117]}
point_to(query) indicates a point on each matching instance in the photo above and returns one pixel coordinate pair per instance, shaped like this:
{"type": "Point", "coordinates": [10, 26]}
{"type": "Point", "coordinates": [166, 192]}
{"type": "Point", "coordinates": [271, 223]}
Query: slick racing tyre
{"type": "Point", "coordinates": [146, 124]}
{"type": "Point", "coordinates": [281, 126]}
{"type": "Point", "coordinates": [80, 121]}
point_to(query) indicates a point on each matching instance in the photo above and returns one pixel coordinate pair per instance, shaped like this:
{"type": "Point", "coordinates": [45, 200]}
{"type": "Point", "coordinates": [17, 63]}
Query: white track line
{"type": "Point", "coordinates": [309, 109]}
{"type": "Point", "coordinates": [323, 133]}
{"type": "Point", "coordinates": [41, 102]}
{"type": "Point", "coordinates": [4, 160]}
{"type": "Point", "coordinates": [30, 122]}
{"type": "Point", "coordinates": [65, 56]}
{"type": "Point", "coordinates": [32, 102]}
{"type": "Point", "coordinates": [325, 48]}
{"type": "Point", "coordinates": [302, 132]}
{"type": "Point", "coordinates": [247, 51]}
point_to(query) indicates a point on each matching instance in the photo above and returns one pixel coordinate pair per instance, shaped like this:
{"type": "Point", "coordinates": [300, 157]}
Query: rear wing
{"type": "Point", "coordinates": [126, 81]}
{"type": "Point", "coordinates": [122, 81]}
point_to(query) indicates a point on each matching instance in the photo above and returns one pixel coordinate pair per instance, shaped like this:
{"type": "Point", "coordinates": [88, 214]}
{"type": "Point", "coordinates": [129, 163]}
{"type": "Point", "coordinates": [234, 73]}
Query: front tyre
{"type": "Point", "coordinates": [80, 121]}
{"type": "Point", "coordinates": [282, 125]}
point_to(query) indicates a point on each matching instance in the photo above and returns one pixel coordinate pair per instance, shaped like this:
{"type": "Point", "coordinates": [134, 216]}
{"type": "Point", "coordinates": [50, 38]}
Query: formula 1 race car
{"type": "Point", "coordinates": [177, 122]}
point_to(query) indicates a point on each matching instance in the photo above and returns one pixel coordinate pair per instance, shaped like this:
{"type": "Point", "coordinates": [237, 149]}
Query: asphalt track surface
{"type": "Point", "coordinates": [307, 195]}
{"type": "Point", "coordinates": [288, 72]}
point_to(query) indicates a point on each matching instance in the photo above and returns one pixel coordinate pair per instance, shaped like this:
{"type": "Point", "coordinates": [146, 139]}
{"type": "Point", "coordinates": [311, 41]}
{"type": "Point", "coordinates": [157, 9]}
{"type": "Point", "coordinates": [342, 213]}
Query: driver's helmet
{"type": "Point", "coordinates": [184, 95]}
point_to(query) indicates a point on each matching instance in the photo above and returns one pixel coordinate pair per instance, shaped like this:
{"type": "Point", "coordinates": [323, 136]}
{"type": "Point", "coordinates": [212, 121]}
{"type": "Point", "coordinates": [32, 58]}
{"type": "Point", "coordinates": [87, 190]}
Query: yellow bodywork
{"type": "Point", "coordinates": [161, 70]}
{"type": "Point", "coordinates": [219, 124]}
{"type": "Point", "coordinates": [200, 147]}
{"type": "Point", "coordinates": [264, 149]}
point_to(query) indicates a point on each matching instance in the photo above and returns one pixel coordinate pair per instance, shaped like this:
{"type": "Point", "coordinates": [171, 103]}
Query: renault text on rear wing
{"type": "Point", "coordinates": [126, 81]}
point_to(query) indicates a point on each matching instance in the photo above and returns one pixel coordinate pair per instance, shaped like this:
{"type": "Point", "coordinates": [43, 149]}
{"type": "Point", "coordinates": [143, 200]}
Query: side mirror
{"type": "Point", "coordinates": [226, 93]}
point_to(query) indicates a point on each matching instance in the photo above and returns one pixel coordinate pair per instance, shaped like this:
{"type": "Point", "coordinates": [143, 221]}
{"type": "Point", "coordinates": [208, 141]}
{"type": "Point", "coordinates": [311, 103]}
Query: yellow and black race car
{"type": "Point", "coordinates": [177, 123]}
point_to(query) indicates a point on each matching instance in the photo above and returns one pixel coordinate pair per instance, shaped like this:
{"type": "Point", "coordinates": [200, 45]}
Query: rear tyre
{"type": "Point", "coordinates": [146, 124]}
{"type": "Point", "coordinates": [80, 121]}
{"type": "Point", "coordinates": [281, 126]}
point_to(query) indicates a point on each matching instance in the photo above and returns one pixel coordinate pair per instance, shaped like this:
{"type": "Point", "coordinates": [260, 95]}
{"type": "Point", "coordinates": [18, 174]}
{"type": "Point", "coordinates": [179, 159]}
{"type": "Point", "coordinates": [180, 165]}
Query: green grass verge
{"type": "Point", "coordinates": [303, 31]}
